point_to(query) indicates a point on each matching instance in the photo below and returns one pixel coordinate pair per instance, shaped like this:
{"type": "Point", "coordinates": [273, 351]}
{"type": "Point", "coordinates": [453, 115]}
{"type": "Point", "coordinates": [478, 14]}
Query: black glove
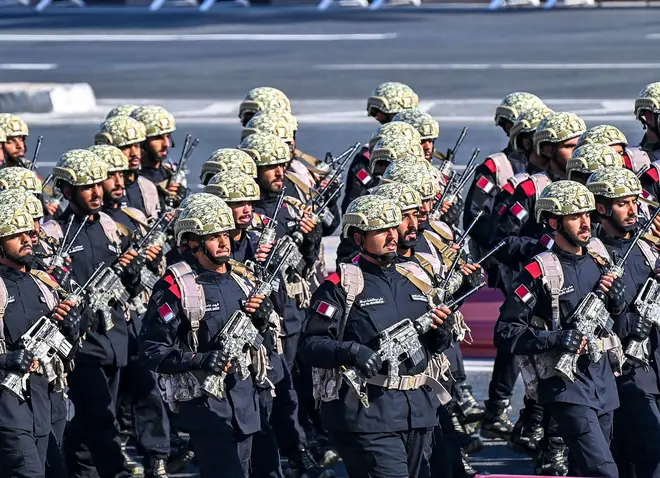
{"type": "Point", "coordinates": [17, 360]}
{"type": "Point", "coordinates": [453, 215]}
{"type": "Point", "coordinates": [476, 278]}
{"type": "Point", "coordinates": [62, 276]}
{"type": "Point", "coordinates": [70, 326]}
{"type": "Point", "coordinates": [640, 328]}
{"type": "Point", "coordinates": [134, 268]}
{"type": "Point", "coordinates": [616, 299]}
{"type": "Point", "coordinates": [315, 236]}
{"type": "Point", "coordinates": [261, 316]}
{"type": "Point", "coordinates": [569, 340]}
{"type": "Point", "coordinates": [368, 361]}
{"type": "Point", "coordinates": [214, 361]}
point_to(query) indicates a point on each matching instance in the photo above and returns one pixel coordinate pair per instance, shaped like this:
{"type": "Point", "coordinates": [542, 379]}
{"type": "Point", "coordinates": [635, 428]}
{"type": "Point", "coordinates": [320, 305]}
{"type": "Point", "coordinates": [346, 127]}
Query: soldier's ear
{"type": "Point", "coordinates": [357, 238]}
{"type": "Point", "coordinates": [553, 223]}
{"type": "Point", "coordinates": [601, 209]}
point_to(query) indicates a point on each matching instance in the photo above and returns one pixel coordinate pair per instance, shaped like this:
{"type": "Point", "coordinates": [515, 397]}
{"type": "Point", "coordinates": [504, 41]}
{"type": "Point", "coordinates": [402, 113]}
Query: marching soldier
{"type": "Point", "coordinates": [128, 134]}
{"type": "Point", "coordinates": [227, 159]}
{"type": "Point", "coordinates": [391, 148]}
{"type": "Point", "coordinates": [180, 340]}
{"type": "Point", "coordinates": [26, 420]}
{"type": "Point", "coordinates": [605, 134]}
{"type": "Point", "coordinates": [589, 158]}
{"type": "Point", "coordinates": [261, 99]}
{"type": "Point", "coordinates": [391, 438]}
{"type": "Point", "coordinates": [385, 102]}
{"type": "Point", "coordinates": [647, 110]}
{"type": "Point", "coordinates": [159, 125]}
{"type": "Point", "coordinates": [15, 145]}
{"type": "Point", "coordinates": [537, 321]}
{"type": "Point", "coordinates": [637, 420]}
{"type": "Point", "coordinates": [425, 124]}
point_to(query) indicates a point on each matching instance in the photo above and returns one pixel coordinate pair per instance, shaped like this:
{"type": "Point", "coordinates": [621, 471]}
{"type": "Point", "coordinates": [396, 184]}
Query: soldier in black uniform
{"type": "Point", "coordinates": [392, 436]}
{"type": "Point", "coordinates": [179, 340]}
{"type": "Point", "coordinates": [14, 144]}
{"type": "Point", "coordinates": [26, 419]}
{"type": "Point", "coordinates": [538, 325]}
{"type": "Point", "coordinates": [637, 421]}
{"type": "Point", "coordinates": [92, 437]}
{"type": "Point", "coordinates": [383, 104]}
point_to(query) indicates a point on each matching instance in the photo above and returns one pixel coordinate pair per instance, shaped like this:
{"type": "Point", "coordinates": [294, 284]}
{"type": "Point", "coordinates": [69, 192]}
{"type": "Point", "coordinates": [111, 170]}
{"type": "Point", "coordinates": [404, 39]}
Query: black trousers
{"type": "Point", "coordinates": [266, 462]}
{"type": "Point", "coordinates": [384, 455]}
{"type": "Point", "coordinates": [222, 454]}
{"type": "Point", "coordinates": [445, 460]}
{"type": "Point", "coordinates": [505, 374]}
{"type": "Point", "coordinates": [587, 434]}
{"type": "Point", "coordinates": [22, 455]}
{"type": "Point", "coordinates": [92, 443]}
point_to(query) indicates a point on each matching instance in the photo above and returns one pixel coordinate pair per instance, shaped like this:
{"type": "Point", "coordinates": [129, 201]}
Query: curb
{"type": "Point", "coordinates": [62, 98]}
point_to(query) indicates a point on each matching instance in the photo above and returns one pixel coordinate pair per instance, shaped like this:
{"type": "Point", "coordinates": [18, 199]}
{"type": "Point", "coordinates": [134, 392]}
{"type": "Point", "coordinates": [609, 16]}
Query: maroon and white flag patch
{"type": "Point", "coordinates": [523, 294]}
{"type": "Point", "coordinates": [547, 241]}
{"type": "Point", "coordinates": [363, 176]}
{"type": "Point", "coordinates": [326, 309]}
{"type": "Point", "coordinates": [484, 184]}
{"type": "Point", "coordinates": [165, 312]}
{"type": "Point", "coordinates": [519, 211]}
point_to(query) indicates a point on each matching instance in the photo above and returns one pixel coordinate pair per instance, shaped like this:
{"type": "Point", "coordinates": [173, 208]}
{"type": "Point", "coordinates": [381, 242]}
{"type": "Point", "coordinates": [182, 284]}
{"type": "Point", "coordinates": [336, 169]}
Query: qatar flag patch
{"type": "Point", "coordinates": [165, 312]}
{"type": "Point", "coordinates": [363, 176]}
{"type": "Point", "coordinates": [326, 309]}
{"type": "Point", "coordinates": [523, 294]}
{"type": "Point", "coordinates": [484, 184]}
{"type": "Point", "coordinates": [519, 211]}
{"type": "Point", "coordinates": [547, 241]}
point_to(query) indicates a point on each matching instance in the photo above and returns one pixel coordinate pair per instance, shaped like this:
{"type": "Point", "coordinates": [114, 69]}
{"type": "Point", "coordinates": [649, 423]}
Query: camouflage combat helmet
{"type": "Point", "coordinates": [157, 120]}
{"type": "Point", "coordinates": [526, 122]}
{"type": "Point", "coordinates": [121, 131]}
{"type": "Point", "coordinates": [80, 167]}
{"type": "Point", "coordinates": [268, 123]}
{"type": "Point", "coordinates": [392, 129]}
{"type": "Point", "coordinates": [285, 115]}
{"type": "Point", "coordinates": [648, 100]}
{"type": "Point", "coordinates": [591, 157]}
{"type": "Point", "coordinates": [562, 198]}
{"type": "Point", "coordinates": [204, 214]}
{"type": "Point", "coordinates": [403, 195]}
{"type": "Point", "coordinates": [603, 134]}
{"type": "Point", "coordinates": [424, 123]}
{"type": "Point", "coordinates": [371, 213]}
{"type": "Point", "coordinates": [515, 103]}
{"type": "Point", "coordinates": [390, 98]}
{"type": "Point", "coordinates": [266, 149]}
{"type": "Point", "coordinates": [21, 179]}
{"type": "Point", "coordinates": [263, 98]}
{"type": "Point", "coordinates": [392, 148]}
{"type": "Point", "coordinates": [121, 110]}
{"type": "Point", "coordinates": [233, 186]}
{"type": "Point", "coordinates": [3, 136]}
{"type": "Point", "coordinates": [228, 159]}
{"type": "Point", "coordinates": [14, 219]}
{"type": "Point", "coordinates": [13, 126]}
{"type": "Point", "coordinates": [114, 159]}
{"type": "Point", "coordinates": [27, 200]}
{"type": "Point", "coordinates": [414, 173]}
{"type": "Point", "coordinates": [558, 127]}
{"type": "Point", "coordinates": [614, 183]}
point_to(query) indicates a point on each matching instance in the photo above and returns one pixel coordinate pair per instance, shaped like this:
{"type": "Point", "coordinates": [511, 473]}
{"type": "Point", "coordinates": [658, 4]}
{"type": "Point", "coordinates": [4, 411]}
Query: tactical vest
{"type": "Point", "coordinates": [53, 228]}
{"type": "Point", "coordinates": [503, 168]}
{"type": "Point", "coordinates": [150, 197]}
{"type": "Point", "coordinates": [639, 159]}
{"type": "Point", "coordinates": [540, 180]}
{"type": "Point", "coordinates": [516, 179]}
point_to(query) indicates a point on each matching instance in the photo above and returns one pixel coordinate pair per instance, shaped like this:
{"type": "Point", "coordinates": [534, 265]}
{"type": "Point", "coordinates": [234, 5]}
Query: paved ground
{"type": "Point", "coordinates": [591, 62]}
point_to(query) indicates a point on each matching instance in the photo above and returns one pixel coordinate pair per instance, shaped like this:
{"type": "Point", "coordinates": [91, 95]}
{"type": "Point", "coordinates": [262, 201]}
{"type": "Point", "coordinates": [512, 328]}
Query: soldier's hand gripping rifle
{"type": "Point", "coordinates": [238, 336]}
{"type": "Point", "coordinates": [44, 340]}
{"type": "Point", "coordinates": [333, 163]}
{"type": "Point", "coordinates": [591, 315]}
{"type": "Point", "coordinates": [180, 171]}
{"type": "Point", "coordinates": [157, 235]}
{"type": "Point", "coordinates": [455, 185]}
{"type": "Point", "coordinates": [269, 232]}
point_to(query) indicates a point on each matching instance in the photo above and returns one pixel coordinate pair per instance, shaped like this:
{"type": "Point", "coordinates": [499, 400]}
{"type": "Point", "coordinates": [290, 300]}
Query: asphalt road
{"type": "Point", "coordinates": [592, 62]}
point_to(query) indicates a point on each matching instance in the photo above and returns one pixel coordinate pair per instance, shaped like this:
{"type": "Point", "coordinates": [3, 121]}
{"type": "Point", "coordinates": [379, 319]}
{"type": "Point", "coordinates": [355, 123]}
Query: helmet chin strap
{"type": "Point", "coordinates": [218, 261]}
{"type": "Point", "coordinates": [387, 258]}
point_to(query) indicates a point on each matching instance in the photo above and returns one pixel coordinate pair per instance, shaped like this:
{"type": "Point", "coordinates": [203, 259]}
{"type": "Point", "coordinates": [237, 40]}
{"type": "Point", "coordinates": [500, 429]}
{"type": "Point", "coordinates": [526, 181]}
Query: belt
{"type": "Point", "coordinates": [605, 344]}
{"type": "Point", "coordinates": [412, 382]}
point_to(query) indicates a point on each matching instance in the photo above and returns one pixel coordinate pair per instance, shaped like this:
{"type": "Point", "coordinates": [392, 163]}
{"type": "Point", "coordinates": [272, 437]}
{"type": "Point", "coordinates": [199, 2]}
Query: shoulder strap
{"type": "Point", "coordinates": [553, 279]}
{"type": "Point", "coordinates": [442, 229]}
{"type": "Point", "coordinates": [431, 264]}
{"type": "Point", "coordinates": [53, 229]}
{"type": "Point", "coordinates": [352, 282]}
{"type": "Point", "coordinates": [4, 297]}
{"type": "Point", "coordinates": [149, 196]}
{"type": "Point", "coordinates": [46, 285]}
{"type": "Point", "coordinates": [639, 159]}
{"type": "Point", "coordinates": [241, 270]}
{"type": "Point", "coordinates": [193, 301]}
{"type": "Point", "coordinates": [540, 180]}
{"type": "Point", "coordinates": [109, 227]}
{"type": "Point", "coordinates": [650, 253]}
{"type": "Point", "coordinates": [503, 167]}
{"type": "Point", "coordinates": [307, 157]}
{"type": "Point", "coordinates": [415, 274]}
{"type": "Point", "coordinates": [598, 249]}
{"type": "Point", "coordinates": [137, 216]}
{"type": "Point", "coordinates": [516, 179]}
{"type": "Point", "coordinates": [436, 245]}
{"type": "Point", "coordinates": [299, 183]}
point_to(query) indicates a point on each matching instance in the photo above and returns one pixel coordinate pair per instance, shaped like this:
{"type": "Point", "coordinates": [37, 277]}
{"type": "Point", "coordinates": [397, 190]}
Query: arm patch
{"type": "Point", "coordinates": [534, 270]}
{"type": "Point", "coordinates": [490, 164]}
{"type": "Point", "coordinates": [334, 278]}
{"type": "Point", "coordinates": [528, 187]}
{"type": "Point", "coordinates": [653, 174]}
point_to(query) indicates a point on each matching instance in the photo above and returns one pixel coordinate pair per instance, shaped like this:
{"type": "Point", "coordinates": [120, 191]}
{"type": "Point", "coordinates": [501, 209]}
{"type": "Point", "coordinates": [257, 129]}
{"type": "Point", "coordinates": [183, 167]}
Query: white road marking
{"type": "Point", "coordinates": [170, 37]}
{"type": "Point", "coordinates": [653, 36]}
{"type": "Point", "coordinates": [28, 66]}
{"type": "Point", "coordinates": [486, 66]}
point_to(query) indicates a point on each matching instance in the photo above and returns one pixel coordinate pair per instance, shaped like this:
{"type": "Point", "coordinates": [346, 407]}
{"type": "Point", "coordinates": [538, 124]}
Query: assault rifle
{"type": "Point", "coordinates": [35, 156]}
{"type": "Point", "coordinates": [179, 173]}
{"type": "Point", "coordinates": [455, 185]}
{"type": "Point", "coordinates": [446, 165]}
{"type": "Point", "coordinates": [647, 305]}
{"type": "Point", "coordinates": [269, 232]}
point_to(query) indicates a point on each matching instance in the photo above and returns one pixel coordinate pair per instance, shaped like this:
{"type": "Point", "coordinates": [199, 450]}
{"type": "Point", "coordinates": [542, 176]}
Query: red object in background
{"type": "Point", "coordinates": [480, 312]}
